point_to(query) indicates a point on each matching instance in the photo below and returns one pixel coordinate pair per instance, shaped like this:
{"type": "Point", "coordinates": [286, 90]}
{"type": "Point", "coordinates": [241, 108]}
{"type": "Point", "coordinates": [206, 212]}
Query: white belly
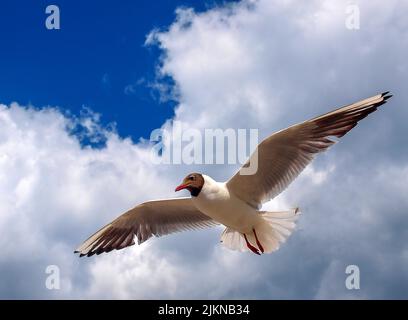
{"type": "Point", "coordinates": [227, 209]}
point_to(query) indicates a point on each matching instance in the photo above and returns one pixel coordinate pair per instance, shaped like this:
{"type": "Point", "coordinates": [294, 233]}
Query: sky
{"type": "Point", "coordinates": [97, 59]}
{"type": "Point", "coordinates": [78, 105]}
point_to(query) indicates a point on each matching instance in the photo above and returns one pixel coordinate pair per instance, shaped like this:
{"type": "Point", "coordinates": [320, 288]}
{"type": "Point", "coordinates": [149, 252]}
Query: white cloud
{"type": "Point", "coordinates": [250, 65]}
{"type": "Point", "coordinates": [53, 192]}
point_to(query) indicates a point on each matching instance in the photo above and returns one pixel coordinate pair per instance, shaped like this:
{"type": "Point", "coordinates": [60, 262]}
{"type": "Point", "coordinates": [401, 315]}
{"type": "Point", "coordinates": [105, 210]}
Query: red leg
{"type": "Point", "coordinates": [258, 243]}
{"type": "Point", "coordinates": [250, 246]}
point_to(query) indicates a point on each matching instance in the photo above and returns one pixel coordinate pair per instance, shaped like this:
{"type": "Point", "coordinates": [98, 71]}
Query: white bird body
{"type": "Point", "coordinates": [280, 158]}
{"type": "Point", "coordinates": [217, 202]}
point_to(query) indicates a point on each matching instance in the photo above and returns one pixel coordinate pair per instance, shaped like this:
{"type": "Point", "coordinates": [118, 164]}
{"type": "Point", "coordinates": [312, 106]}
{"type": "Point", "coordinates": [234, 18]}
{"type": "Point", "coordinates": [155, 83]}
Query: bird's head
{"type": "Point", "coordinates": [193, 182]}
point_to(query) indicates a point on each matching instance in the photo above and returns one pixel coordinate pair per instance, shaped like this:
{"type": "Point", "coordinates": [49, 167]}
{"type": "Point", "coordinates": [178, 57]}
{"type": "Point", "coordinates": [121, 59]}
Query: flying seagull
{"type": "Point", "coordinates": [236, 203]}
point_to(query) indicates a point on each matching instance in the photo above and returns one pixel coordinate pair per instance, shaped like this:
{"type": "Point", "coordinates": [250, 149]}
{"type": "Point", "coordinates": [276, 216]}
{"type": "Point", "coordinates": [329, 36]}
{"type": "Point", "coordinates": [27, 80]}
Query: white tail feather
{"type": "Point", "coordinates": [275, 228]}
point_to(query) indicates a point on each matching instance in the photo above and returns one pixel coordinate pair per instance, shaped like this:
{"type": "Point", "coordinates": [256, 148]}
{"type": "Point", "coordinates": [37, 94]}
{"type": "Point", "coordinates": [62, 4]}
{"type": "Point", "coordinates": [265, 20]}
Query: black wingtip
{"type": "Point", "coordinates": [385, 95]}
{"type": "Point", "coordinates": [80, 254]}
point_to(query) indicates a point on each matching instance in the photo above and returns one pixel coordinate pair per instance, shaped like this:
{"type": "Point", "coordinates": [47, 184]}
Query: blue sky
{"type": "Point", "coordinates": [262, 64]}
{"type": "Point", "coordinates": [96, 54]}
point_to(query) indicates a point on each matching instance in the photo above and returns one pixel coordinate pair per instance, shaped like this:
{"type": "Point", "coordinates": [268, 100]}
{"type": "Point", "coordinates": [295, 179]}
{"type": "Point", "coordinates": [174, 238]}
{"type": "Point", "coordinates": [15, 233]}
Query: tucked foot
{"type": "Point", "coordinates": [250, 246]}
{"type": "Point", "coordinates": [258, 243]}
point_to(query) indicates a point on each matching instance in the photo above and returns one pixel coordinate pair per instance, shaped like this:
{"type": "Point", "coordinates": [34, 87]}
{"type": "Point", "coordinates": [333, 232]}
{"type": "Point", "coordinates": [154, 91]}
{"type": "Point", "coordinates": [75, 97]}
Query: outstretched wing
{"type": "Point", "coordinates": [158, 218]}
{"type": "Point", "coordinates": [283, 155]}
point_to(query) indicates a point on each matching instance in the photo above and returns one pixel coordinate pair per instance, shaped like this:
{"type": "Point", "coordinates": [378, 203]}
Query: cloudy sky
{"type": "Point", "coordinates": [77, 105]}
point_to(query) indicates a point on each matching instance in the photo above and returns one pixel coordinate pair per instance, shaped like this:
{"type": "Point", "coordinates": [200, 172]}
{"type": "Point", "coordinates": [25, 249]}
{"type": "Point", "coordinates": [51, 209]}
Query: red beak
{"type": "Point", "coordinates": [181, 187]}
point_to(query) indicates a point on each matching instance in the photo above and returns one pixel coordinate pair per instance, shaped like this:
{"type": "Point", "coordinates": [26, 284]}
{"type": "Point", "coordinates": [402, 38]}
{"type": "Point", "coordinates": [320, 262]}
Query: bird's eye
{"type": "Point", "coordinates": [192, 178]}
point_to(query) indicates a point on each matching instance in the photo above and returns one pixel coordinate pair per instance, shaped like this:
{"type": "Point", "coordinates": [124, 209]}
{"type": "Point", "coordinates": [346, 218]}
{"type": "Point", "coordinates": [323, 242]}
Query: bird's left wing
{"type": "Point", "coordinates": [158, 217]}
{"type": "Point", "coordinates": [282, 156]}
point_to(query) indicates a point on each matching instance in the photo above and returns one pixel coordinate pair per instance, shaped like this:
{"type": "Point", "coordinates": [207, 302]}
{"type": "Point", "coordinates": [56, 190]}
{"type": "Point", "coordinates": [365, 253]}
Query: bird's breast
{"type": "Point", "coordinates": [227, 209]}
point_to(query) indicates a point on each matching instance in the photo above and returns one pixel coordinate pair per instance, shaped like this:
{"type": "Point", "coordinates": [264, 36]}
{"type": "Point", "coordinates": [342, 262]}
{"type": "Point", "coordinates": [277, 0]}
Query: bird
{"type": "Point", "coordinates": [236, 204]}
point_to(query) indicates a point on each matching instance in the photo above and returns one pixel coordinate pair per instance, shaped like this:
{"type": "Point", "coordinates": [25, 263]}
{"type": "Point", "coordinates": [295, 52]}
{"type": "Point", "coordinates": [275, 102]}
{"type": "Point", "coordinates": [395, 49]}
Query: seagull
{"type": "Point", "coordinates": [236, 203]}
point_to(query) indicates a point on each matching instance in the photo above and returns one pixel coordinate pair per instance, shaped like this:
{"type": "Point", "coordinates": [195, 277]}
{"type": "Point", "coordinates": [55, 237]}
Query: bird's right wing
{"type": "Point", "coordinates": [158, 217]}
{"type": "Point", "coordinates": [283, 155]}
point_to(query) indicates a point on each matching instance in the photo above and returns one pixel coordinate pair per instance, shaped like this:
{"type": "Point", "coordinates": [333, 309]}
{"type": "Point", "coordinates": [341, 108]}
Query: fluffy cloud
{"type": "Point", "coordinates": [264, 64]}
